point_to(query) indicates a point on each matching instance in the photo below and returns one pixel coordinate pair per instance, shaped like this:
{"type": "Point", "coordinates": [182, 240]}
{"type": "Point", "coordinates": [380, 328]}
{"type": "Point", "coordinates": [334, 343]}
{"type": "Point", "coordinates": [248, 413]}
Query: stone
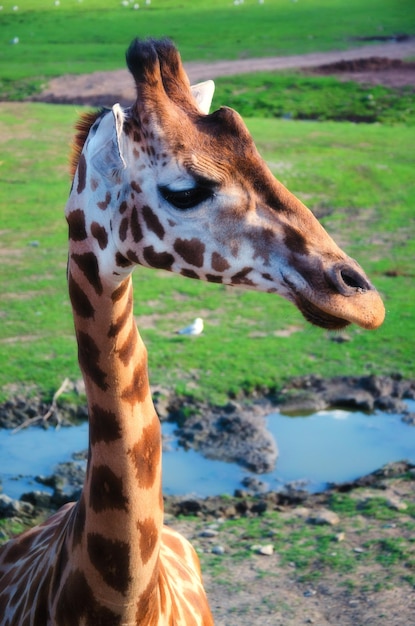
{"type": "Point", "coordinates": [302, 512]}
{"type": "Point", "coordinates": [267, 550]}
{"type": "Point", "coordinates": [324, 516]}
{"type": "Point", "coordinates": [208, 533]}
{"type": "Point", "coordinates": [37, 498]}
{"type": "Point", "coordinates": [10, 507]}
{"type": "Point", "coordinates": [396, 504]}
{"type": "Point", "coordinates": [409, 418]}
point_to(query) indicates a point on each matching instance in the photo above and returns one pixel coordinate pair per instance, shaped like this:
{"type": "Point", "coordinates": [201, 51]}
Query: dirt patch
{"type": "Point", "coordinates": [106, 88]}
{"type": "Point", "coordinates": [393, 73]}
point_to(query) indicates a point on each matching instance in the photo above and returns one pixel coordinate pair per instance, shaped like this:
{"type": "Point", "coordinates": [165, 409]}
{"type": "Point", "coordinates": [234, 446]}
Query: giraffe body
{"type": "Point", "coordinates": [166, 185]}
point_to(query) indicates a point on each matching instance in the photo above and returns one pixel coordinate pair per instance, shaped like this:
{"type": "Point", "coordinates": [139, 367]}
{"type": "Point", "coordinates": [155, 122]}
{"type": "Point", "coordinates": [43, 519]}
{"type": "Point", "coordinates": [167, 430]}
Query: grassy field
{"type": "Point", "coordinates": [78, 37]}
{"type": "Point", "coordinates": [294, 96]}
{"type": "Point", "coordinates": [358, 178]}
{"type": "Point", "coordinates": [365, 202]}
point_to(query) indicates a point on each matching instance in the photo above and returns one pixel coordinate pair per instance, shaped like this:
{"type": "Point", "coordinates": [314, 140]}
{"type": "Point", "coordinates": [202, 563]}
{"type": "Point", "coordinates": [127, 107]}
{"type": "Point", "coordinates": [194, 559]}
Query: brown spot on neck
{"type": "Point", "coordinates": [112, 559]}
{"type": "Point", "coordinates": [136, 391]}
{"type": "Point", "coordinates": [88, 264]}
{"type": "Point", "coordinates": [104, 425]}
{"type": "Point", "coordinates": [79, 300]}
{"type": "Point", "coordinates": [149, 535]}
{"type": "Point", "coordinates": [121, 290]}
{"type": "Point", "coordinates": [146, 454]}
{"type": "Point", "coordinates": [88, 354]}
{"type": "Point", "coordinates": [107, 493]}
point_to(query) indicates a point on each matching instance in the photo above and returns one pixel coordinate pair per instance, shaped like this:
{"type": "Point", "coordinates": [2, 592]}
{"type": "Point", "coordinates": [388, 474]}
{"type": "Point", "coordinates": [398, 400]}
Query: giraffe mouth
{"type": "Point", "coordinates": [317, 316]}
{"type": "Point", "coordinates": [312, 313]}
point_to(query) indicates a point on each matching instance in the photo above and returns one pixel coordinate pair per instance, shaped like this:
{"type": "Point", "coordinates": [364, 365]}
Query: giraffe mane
{"type": "Point", "coordinates": [82, 126]}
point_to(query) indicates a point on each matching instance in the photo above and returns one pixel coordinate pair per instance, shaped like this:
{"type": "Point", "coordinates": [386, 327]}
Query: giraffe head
{"type": "Point", "coordinates": [187, 191]}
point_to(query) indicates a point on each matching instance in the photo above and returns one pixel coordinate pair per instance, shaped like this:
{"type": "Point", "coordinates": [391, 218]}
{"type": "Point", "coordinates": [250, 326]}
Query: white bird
{"type": "Point", "coordinates": [196, 328]}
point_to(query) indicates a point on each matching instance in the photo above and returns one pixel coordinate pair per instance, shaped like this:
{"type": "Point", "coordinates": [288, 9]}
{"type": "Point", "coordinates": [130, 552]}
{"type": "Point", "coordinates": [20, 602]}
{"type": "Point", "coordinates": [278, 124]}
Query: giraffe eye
{"type": "Point", "coordinates": [186, 198]}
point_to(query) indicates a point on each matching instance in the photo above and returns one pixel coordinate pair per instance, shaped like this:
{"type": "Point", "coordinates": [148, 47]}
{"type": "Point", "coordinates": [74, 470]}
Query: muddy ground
{"type": "Point", "coordinates": [247, 577]}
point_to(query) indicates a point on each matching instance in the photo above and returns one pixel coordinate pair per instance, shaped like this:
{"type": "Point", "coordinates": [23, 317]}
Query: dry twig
{"type": "Point", "coordinates": [52, 409]}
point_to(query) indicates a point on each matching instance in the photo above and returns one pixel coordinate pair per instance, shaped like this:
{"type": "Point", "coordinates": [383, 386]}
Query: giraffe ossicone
{"type": "Point", "coordinates": [166, 185]}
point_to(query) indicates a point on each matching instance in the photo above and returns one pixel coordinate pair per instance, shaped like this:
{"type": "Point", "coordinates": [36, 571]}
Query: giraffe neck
{"type": "Point", "coordinates": [120, 513]}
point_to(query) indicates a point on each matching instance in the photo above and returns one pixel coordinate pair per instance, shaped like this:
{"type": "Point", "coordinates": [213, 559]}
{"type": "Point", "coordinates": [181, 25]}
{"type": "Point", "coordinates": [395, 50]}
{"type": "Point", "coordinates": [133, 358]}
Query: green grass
{"type": "Point", "coordinates": [359, 177]}
{"type": "Point", "coordinates": [376, 508]}
{"type": "Point", "coordinates": [314, 553]}
{"type": "Point", "coordinates": [93, 35]}
{"type": "Point", "coordinates": [293, 96]}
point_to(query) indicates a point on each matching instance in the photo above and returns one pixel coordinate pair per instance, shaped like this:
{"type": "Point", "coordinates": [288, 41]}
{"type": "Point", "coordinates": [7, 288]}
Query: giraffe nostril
{"type": "Point", "coordinates": [352, 279]}
{"type": "Point", "coordinates": [347, 278]}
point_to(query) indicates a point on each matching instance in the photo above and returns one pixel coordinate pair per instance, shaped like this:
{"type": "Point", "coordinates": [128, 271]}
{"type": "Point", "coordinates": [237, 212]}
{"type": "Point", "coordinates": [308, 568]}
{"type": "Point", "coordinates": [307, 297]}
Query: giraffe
{"type": "Point", "coordinates": [163, 184]}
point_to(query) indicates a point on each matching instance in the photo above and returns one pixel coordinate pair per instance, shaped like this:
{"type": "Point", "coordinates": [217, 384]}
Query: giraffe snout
{"type": "Point", "coordinates": [355, 299]}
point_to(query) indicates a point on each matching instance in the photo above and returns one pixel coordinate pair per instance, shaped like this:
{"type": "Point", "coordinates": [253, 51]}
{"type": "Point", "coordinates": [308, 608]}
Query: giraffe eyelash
{"type": "Point", "coordinates": [186, 198]}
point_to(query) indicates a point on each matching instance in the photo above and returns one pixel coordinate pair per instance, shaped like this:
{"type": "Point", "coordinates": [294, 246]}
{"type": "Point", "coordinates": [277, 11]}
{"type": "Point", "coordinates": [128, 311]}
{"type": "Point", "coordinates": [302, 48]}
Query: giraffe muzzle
{"type": "Point", "coordinates": [354, 300]}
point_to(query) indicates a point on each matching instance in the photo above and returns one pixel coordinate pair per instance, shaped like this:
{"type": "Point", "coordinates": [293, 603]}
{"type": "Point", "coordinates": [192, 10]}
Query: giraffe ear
{"type": "Point", "coordinates": [118, 114]}
{"type": "Point", "coordinates": [108, 157]}
{"type": "Point", "coordinates": [203, 94]}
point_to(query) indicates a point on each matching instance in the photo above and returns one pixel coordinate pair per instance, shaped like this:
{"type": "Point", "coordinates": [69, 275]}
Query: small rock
{"type": "Point", "coordinates": [255, 485]}
{"type": "Point", "coordinates": [259, 507]}
{"type": "Point", "coordinates": [302, 512]}
{"type": "Point", "coordinates": [267, 550]}
{"type": "Point", "coordinates": [37, 498]}
{"type": "Point", "coordinates": [358, 550]}
{"type": "Point", "coordinates": [396, 504]}
{"type": "Point", "coordinates": [324, 516]}
{"type": "Point", "coordinates": [309, 593]}
{"type": "Point", "coordinates": [340, 536]}
{"type": "Point", "coordinates": [208, 533]}
{"type": "Point", "coordinates": [219, 550]}
{"type": "Point", "coordinates": [409, 418]}
{"type": "Point", "coordinates": [10, 507]}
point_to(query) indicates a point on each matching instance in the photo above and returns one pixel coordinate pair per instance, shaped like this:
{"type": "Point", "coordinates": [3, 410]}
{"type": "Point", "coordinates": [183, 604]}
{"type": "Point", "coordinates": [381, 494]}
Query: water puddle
{"type": "Point", "coordinates": [338, 446]}
{"type": "Point", "coordinates": [328, 446]}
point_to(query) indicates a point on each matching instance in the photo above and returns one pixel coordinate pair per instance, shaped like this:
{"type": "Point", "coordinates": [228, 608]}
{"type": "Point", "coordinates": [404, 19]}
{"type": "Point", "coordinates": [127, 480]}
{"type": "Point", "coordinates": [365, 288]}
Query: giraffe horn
{"type": "Point", "coordinates": [158, 72]}
{"type": "Point", "coordinates": [142, 61]}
